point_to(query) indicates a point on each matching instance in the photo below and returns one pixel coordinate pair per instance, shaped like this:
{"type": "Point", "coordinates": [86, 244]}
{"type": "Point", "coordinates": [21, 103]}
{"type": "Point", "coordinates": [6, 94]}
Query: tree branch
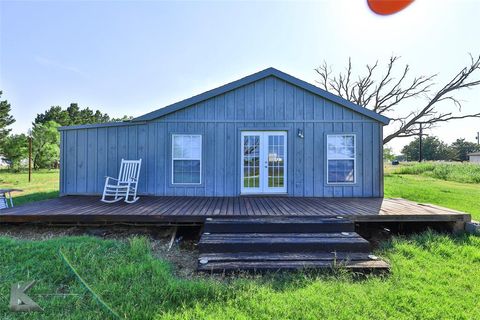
{"type": "Point", "coordinates": [387, 94]}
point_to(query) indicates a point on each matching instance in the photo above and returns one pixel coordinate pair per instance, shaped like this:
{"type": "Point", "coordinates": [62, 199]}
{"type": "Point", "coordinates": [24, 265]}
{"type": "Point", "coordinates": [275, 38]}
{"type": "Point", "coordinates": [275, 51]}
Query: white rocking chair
{"type": "Point", "coordinates": [125, 187]}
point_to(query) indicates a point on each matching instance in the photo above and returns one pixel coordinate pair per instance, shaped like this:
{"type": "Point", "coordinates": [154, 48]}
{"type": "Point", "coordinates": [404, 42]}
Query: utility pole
{"type": "Point", "coordinates": [478, 138]}
{"type": "Point", "coordinates": [29, 158]}
{"type": "Point", "coordinates": [420, 155]}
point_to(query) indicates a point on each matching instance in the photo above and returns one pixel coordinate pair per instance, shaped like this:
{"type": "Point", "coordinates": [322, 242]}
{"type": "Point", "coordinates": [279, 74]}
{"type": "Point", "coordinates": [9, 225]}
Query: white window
{"type": "Point", "coordinates": [186, 159]}
{"type": "Point", "coordinates": [341, 156]}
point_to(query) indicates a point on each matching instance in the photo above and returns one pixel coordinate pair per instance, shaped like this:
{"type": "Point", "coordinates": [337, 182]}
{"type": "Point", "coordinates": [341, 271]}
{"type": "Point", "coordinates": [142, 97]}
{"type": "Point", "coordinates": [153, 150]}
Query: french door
{"type": "Point", "coordinates": [264, 162]}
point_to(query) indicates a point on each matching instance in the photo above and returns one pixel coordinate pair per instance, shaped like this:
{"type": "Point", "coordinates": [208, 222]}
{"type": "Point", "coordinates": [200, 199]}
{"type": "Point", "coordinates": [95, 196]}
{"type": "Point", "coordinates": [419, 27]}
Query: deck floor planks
{"type": "Point", "coordinates": [195, 209]}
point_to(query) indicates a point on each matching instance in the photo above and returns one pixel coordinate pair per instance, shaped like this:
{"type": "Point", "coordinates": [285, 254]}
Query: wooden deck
{"type": "Point", "coordinates": [89, 209]}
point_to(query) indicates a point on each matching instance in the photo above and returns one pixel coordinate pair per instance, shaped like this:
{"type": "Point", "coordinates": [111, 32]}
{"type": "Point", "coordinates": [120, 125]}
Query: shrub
{"type": "Point", "coordinates": [450, 171]}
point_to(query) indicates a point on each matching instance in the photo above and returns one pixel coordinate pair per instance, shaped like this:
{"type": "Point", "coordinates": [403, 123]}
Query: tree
{"type": "Point", "coordinates": [387, 94]}
{"type": "Point", "coordinates": [72, 115]}
{"type": "Point", "coordinates": [15, 149]}
{"type": "Point", "coordinates": [46, 139]}
{"type": "Point", "coordinates": [45, 145]}
{"type": "Point", "coordinates": [388, 154]}
{"type": "Point", "coordinates": [460, 148]}
{"type": "Point", "coordinates": [5, 120]}
{"type": "Point", "coordinates": [124, 118]}
{"type": "Point", "coordinates": [432, 149]}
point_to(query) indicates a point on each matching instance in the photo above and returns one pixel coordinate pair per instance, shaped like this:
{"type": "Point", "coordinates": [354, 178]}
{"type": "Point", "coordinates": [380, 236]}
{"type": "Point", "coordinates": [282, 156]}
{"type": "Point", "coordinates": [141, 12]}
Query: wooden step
{"type": "Point", "coordinates": [231, 266]}
{"type": "Point", "coordinates": [285, 256]}
{"type": "Point", "coordinates": [278, 225]}
{"type": "Point", "coordinates": [282, 242]}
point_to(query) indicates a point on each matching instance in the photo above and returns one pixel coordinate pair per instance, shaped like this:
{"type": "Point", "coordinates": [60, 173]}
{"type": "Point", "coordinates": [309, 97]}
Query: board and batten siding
{"type": "Point", "coordinates": [90, 154]}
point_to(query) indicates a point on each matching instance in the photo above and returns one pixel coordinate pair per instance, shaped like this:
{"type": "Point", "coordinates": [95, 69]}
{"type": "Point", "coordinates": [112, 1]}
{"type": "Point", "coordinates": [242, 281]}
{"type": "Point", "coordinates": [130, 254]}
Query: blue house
{"type": "Point", "coordinates": [267, 133]}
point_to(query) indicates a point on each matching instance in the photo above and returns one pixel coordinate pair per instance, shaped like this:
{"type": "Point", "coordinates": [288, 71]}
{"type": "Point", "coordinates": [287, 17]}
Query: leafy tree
{"type": "Point", "coordinates": [5, 120]}
{"type": "Point", "coordinates": [72, 115]}
{"type": "Point", "coordinates": [432, 148]}
{"type": "Point", "coordinates": [15, 149]}
{"type": "Point", "coordinates": [46, 139]}
{"type": "Point", "coordinates": [45, 145]}
{"type": "Point", "coordinates": [460, 148]}
{"type": "Point", "coordinates": [124, 118]}
{"type": "Point", "coordinates": [388, 154]}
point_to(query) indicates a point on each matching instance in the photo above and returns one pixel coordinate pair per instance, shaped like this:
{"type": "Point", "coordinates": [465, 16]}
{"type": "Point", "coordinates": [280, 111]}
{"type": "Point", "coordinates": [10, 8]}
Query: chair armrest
{"type": "Point", "coordinates": [107, 177]}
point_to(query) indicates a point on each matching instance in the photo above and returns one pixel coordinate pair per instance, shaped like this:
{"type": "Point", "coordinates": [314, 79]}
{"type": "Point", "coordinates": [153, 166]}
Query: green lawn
{"type": "Point", "coordinates": [44, 185]}
{"type": "Point", "coordinates": [433, 276]}
{"type": "Point", "coordinates": [460, 196]}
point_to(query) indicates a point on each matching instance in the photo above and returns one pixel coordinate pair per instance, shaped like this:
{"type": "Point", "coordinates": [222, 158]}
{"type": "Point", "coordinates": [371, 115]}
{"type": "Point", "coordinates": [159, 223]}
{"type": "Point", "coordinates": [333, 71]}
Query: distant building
{"type": "Point", "coordinates": [474, 157]}
{"type": "Point", "coordinates": [3, 162]}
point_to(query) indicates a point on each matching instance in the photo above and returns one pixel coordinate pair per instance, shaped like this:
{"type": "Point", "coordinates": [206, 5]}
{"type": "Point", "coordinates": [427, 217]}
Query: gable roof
{"type": "Point", "coordinates": [255, 77]}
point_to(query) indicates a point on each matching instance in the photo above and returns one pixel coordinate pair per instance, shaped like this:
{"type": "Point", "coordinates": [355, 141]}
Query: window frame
{"type": "Point", "coordinates": [173, 158]}
{"type": "Point", "coordinates": [337, 158]}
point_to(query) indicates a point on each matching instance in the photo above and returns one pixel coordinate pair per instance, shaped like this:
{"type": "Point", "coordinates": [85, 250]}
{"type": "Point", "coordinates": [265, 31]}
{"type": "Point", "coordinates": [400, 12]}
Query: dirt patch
{"type": "Point", "coordinates": [183, 255]}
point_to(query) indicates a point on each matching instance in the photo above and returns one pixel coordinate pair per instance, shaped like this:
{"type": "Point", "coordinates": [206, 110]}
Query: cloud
{"type": "Point", "coordinates": [51, 63]}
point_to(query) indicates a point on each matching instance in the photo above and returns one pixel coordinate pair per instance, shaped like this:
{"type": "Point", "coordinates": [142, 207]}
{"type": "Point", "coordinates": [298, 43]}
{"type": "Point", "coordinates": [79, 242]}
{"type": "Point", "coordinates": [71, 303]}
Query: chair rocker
{"type": "Point", "coordinates": [125, 186]}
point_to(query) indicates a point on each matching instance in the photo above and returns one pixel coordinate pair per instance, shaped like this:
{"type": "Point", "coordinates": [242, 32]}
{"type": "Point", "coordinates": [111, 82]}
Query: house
{"type": "Point", "coordinates": [474, 157]}
{"type": "Point", "coordinates": [267, 133]}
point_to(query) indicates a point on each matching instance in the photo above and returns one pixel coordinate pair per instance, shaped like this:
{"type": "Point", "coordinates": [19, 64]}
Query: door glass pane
{"type": "Point", "coordinates": [251, 161]}
{"type": "Point", "coordinates": [276, 161]}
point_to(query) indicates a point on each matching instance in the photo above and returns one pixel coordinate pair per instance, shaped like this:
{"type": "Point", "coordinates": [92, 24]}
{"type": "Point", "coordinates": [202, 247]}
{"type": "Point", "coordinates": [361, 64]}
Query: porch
{"type": "Point", "coordinates": [194, 210]}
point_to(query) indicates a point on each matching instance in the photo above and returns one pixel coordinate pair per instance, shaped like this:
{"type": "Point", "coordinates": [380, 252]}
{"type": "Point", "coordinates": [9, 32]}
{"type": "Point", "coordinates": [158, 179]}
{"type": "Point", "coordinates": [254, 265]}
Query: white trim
{"type": "Point", "coordinates": [174, 158]}
{"type": "Point", "coordinates": [342, 158]}
{"type": "Point", "coordinates": [263, 155]}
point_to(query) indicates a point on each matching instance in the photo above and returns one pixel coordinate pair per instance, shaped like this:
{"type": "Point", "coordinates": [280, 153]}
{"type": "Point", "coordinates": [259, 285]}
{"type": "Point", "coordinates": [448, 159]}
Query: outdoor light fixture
{"type": "Point", "coordinates": [300, 133]}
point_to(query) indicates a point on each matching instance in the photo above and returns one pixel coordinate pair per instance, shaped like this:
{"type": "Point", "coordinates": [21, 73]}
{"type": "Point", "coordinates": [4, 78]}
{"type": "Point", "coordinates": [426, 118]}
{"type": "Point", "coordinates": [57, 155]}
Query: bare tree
{"type": "Point", "coordinates": [391, 94]}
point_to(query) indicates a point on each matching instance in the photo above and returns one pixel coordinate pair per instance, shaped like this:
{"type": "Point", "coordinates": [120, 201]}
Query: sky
{"type": "Point", "coordinates": [131, 57]}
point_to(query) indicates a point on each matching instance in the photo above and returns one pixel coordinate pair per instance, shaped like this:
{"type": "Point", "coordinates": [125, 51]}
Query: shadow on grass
{"type": "Point", "coordinates": [33, 197]}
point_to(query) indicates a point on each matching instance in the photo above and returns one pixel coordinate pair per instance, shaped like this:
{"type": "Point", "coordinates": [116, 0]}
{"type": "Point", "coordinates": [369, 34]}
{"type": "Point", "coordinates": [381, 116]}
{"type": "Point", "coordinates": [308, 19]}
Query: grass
{"type": "Point", "coordinates": [44, 185]}
{"type": "Point", "coordinates": [453, 171]}
{"type": "Point", "coordinates": [434, 276]}
{"type": "Point", "coordinates": [451, 185]}
{"type": "Point", "coordinates": [454, 195]}
{"type": "Point", "coordinates": [138, 286]}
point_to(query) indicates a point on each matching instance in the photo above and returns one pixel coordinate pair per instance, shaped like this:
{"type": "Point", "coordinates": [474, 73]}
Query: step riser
{"type": "Point", "coordinates": [279, 228]}
{"type": "Point", "coordinates": [292, 256]}
{"type": "Point", "coordinates": [284, 247]}
{"type": "Point", "coordinates": [366, 267]}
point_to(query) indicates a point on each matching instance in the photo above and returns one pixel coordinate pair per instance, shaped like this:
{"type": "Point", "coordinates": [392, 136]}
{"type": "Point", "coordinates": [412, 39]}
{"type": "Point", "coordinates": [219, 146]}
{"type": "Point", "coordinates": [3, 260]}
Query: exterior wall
{"type": "Point", "coordinates": [474, 159]}
{"type": "Point", "coordinates": [89, 154]}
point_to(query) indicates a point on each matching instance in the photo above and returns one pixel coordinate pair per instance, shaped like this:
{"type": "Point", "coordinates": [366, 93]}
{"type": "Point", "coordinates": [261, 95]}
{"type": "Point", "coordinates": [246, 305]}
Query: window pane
{"type": "Point", "coordinates": [186, 171]}
{"type": "Point", "coordinates": [187, 146]}
{"type": "Point", "coordinates": [340, 171]}
{"type": "Point", "coordinates": [177, 146]}
{"type": "Point", "coordinates": [340, 147]}
{"type": "Point", "coordinates": [349, 141]}
{"type": "Point", "coordinates": [349, 152]}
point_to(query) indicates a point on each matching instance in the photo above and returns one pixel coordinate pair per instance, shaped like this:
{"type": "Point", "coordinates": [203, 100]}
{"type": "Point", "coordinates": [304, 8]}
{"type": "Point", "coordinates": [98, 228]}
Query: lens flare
{"type": "Point", "coordinates": [386, 7]}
